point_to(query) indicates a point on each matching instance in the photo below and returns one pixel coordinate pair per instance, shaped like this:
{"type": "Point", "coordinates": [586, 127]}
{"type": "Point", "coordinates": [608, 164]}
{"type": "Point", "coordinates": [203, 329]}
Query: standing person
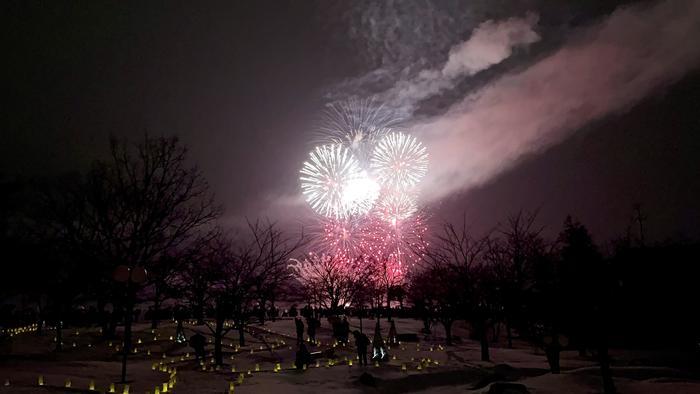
{"type": "Point", "coordinates": [379, 352]}
{"type": "Point", "coordinates": [337, 329]}
{"type": "Point", "coordinates": [303, 357]}
{"type": "Point", "coordinates": [180, 330]}
{"type": "Point", "coordinates": [197, 341]}
{"type": "Point", "coordinates": [311, 328]}
{"type": "Point", "coordinates": [392, 334]}
{"type": "Point", "coordinates": [345, 331]}
{"type": "Point", "coordinates": [361, 343]}
{"type": "Point", "coordinates": [300, 329]}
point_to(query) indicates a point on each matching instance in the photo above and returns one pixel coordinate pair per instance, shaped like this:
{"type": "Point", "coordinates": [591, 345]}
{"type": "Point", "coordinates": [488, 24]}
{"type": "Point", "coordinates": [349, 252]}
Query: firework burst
{"type": "Point", "coordinates": [401, 242]}
{"type": "Point", "coordinates": [357, 124]}
{"type": "Point", "coordinates": [339, 236]}
{"type": "Point", "coordinates": [362, 181]}
{"type": "Point", "coordinates": [399, 161]}
{"type": "Point", "coordinates": [334, 184]}
{"type": "Point", "coordinates": [396, 207]}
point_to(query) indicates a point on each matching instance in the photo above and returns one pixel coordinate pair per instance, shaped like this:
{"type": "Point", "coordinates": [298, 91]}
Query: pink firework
{"type": "Point", "coordinates": [399, 244]}
{"type": "Point", "coordinates": [395, 207]}
{"type": "Point", "coordinates": [342, 237]}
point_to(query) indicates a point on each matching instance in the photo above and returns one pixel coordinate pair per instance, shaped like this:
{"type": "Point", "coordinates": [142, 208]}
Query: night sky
{"type": "Point", "coordinates": [584, 108]}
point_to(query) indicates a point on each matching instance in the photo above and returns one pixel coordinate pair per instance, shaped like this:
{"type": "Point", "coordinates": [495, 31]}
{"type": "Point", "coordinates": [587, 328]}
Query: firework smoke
{"type": "Point", "coordinates": [603, 69]}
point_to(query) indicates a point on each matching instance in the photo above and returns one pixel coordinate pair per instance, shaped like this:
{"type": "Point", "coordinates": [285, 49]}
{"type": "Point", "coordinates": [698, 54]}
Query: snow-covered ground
{"type": "Point", "coordinates": [443, 369]}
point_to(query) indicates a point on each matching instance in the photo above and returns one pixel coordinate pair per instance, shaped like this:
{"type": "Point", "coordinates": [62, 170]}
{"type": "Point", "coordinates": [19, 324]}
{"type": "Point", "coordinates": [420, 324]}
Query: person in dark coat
{"type": "Point", "coordinates": [361, 343]}
{"type": "Point", "coordinates": [345, 330]}
{"type": "Point", "coordinates": [393, 340]}
{"type": "Point", "coordinates": [335, 323]}
{"type": "Point", "coordinates": [180, 316]}
{"type": "Point", "coordinates": [379, 351]}
{"type": "Point", "coordinates": [303, 357]}
{"type": "Point", "coordinates": [198, 342]}
{"type": "Point", "coordinates": [300, 329]}
{"type": "Point", "coordinates": [311, 328]}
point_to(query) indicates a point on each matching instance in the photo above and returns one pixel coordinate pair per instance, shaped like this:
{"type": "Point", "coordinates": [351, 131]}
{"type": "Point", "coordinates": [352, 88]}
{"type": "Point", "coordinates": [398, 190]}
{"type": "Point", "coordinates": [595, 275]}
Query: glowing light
{"type": "Point", "coordinates": [399, 161]}
{"type": "Point", "coordinates": [334, 184]}
{"type": "Point", "coordinates": [359, 194]}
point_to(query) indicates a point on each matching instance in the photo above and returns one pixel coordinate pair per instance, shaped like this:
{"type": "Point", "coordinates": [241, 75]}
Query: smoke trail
{"type": "Point", "coordinates": [604, 69]}
{"type": "Point", "coordinates": [489, 44]}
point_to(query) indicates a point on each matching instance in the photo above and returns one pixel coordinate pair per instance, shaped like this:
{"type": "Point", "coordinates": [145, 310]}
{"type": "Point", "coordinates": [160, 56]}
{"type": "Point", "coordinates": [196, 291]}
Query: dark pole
{"type": "Point", "coordinates": [130, 277]}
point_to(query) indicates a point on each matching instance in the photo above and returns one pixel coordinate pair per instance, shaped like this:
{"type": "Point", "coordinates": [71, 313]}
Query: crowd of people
{"type": "Point", "coordinates": [341, 333]}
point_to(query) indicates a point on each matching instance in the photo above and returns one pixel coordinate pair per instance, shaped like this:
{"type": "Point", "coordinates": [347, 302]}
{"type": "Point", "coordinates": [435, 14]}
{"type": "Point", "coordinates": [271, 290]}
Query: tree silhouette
{"type": "Point", "coordinates": [143, 206]}
{"type": "Point", "coordinates": [512, 251]}
{"type": "Point", "coordinates": [454, 259]}
{"type": "Point", "coordinates": [332, 281]}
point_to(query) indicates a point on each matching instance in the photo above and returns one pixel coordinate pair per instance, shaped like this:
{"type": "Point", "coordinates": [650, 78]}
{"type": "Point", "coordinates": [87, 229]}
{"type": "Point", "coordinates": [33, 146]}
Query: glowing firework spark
{"type": "Point", "coordinates": [400, 243]}
{"type": "Point", "coordinates": [395, 207]}
{"type": "Point", "coordinates": [344, 237]}
{"type": "Point", "coordinates": [399, 161]}
{"type": "Point", "coordinates": [334, 184]}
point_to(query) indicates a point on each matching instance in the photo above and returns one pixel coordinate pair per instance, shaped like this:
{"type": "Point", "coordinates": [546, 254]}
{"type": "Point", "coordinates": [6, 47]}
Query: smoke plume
{"type": "Point", "coordinates": [490, 43]}
{"type": "Point", "coordinates": [601, 70]}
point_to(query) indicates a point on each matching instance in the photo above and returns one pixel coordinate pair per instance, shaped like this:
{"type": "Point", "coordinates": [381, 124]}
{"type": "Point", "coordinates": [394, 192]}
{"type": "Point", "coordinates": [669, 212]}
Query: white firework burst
{"type": "Point", "coordinates": [396, 207]}
{"type": "Point", "coordinates": [335, 185]}
{"type": "Point", "coordinates": [399, 161]}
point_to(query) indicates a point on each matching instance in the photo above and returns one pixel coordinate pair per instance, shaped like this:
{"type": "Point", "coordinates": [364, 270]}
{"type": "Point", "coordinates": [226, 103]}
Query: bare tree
{"type": "Point", "coordinates": [386, 275]}
{"type": "Point", "coordinates": [331, 280]}
{"type": "Point", "coordinates": [142, 207]}
{"type": "Point", "coordinates": [517, 244]}
{"type": "Point", "coordinates": [193, 282]}
{"type": "Point", "coordinates": [454, 258]}
{"type": "Point", "coordinates": [233, 274]}
{"type": "Point", "coordinates": [271, 249]}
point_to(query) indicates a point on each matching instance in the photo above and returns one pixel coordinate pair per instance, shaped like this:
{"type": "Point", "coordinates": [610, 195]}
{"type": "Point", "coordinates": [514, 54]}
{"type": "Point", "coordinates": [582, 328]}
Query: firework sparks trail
{"type": "Point", "coordinates": [399, 161]}
{"type": "Point", "coordinates": [357, 124]}
{"type": "Point", "coordinates": [356, 120]}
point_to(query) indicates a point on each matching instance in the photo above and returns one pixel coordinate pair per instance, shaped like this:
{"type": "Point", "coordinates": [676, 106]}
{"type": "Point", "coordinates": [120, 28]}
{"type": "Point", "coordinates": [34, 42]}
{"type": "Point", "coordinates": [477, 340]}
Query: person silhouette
{"type": "Point", "coordinates": [198, 342]}
{"type": "Point", "coordinates": [303, 357]}
{"type": "Point", "coordinates": [379, 351]}
{"type": "Point", "coordinates": [300, 329]}
{"type": "Point", "coordinates": [311, 328]}
{"type": "Point", "coordinates": [345, 330]}
{"type": "Point", "coordinates": [361, 343]}
{"type": "Point", "coordinates": [392, 334]}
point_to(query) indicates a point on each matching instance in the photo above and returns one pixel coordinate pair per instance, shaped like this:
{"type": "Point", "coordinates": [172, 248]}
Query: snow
{"type": "Point", "coordinates": [450, 369]}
